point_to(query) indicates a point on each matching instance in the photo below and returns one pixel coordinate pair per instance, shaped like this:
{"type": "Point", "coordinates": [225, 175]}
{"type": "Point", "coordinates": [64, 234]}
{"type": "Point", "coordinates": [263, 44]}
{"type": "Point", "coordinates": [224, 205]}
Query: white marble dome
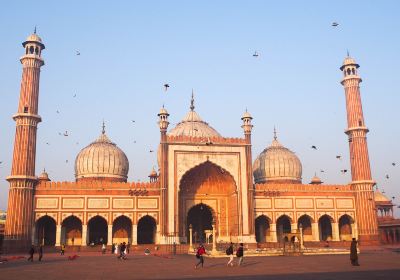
{"type": "Point", "coordinates": [277, 164]}
{"type": "Point", "coordinates": [102, 159]}
{"type": "Point", "coordinates": [193, 125]}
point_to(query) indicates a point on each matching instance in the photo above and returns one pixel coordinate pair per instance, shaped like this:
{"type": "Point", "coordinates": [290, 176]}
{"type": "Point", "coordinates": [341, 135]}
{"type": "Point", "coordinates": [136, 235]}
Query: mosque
{"type": "Point", "coordinates": [206, 184]}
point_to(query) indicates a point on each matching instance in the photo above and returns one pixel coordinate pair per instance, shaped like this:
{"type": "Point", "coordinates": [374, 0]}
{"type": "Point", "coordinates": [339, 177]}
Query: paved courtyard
{"type": "Point", "coordinates": [374, 265]}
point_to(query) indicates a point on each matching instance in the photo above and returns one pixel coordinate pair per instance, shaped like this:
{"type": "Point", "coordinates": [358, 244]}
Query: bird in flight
{"type": "Point", "coordinates": [57, 112]}
{"type": "Point", "coordinates": [47, 143]}
{"type": "Point", "coordinates": [133, 121]}
{"type": "Point", "coordinates": [255, 54]}
{"type": "Point", "coordinates": [66, 161]}
{"type": "Point", "coordinates": [314, 147]}
{"type": "Point", "coordinates": [65, 133]}
{"type": "Point", "coordinates": [78, 53]}
{"type": "Point", "coordinates": [339, 157]}
{"type": "Point", "coordinates": [387, 176]}
{"type": "Point", "coordinates": [74, 95]}
{"type": "Point", "coordinates": [393, 163]}
{"type": "Point", "coordinates": [335, 24]}
{"type": "Point", "coordinates": [134, 141]}
{"type": "Point", "coordinates": [166, 86]}
{"type": "Point", "coordinates": [322, 171]}
{"type": "Point", "coordinates": [151, 151]}
{"type": "Point", "coordinates": [343, 170]}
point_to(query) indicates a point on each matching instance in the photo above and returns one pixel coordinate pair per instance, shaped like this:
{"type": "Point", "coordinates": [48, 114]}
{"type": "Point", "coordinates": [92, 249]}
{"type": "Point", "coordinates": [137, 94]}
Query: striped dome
{"type": "Point", "coordinates": [102, 159]}
{"type": "Point", "coordinates": [277, 164]}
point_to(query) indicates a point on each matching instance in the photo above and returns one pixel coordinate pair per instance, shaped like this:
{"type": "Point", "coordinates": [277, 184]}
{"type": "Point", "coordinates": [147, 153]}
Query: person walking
{"type": "Point", "coordinates": [199, 254]}
{"type": "Point", "coordinates": [128, 247]}
{"type": "Point", "coordinates": [354, 253]}
{"type": "Point", "coordinates": [239, 254]}
{"type": "Point", "coordinates": [62, 249]}
{"type": "Point", "coordinates": [31, 252]}
{"type": "Point", "coordinates": [103, 248]}
{"type": "Point", "coordinates": [122, 251]}
{"type": "Point", "coordinates": [229, 252]}
{"type": "Point", "coordinates": [40, 252]}
{"type": "Point", "coordinates": [113, 248]}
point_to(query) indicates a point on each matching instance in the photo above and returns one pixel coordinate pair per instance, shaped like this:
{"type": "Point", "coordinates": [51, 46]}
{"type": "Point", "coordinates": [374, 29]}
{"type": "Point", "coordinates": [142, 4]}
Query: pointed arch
{"type": "Point", "coordinates": [46, 230]}
{"type": "Point", "coordinates": [306, 223]}
{"type": "Point", "coordinates": [146, 230]}
{"type": "Point", "coordinates": [71, 231]}
{"type": "Point", "coordinates": [346, 224]}
{"type": "Point", "coordinates": [283, 225]}
{"type": "Point", "coordinates": [122, 230]}
{"type": "Point", "coordinates": [325, 227]}
{"type": "Point", "coordinates": [263, 229]}
{"type": "Point", "coordinates": [97, 230]}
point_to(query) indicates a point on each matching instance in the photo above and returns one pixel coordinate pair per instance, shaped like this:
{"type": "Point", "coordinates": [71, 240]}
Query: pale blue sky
{"type": "Point", "coordinates": [129, 49]}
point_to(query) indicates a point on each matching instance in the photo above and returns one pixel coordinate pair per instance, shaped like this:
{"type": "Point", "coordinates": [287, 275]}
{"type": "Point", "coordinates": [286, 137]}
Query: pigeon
{"type": "Point", "coordinates": [322, 171]}
{"type": "Point", "coordinates": [151, 151]}
{"type": "Point", "coordinates": [339, 157]}
{"type": "Point", "coordinates": [133, 121]}
{"type": "Point", "coordinates": [134, 141]}
{"type": "Point", "coordinates": [335, 24]}
{"type": "Point", "coordinates": [74, 95]}
{"type": "Point", "coordinates": [387, 176]}
{"type": "Point", "coordinates": [65, 133]}
{"type": "Point", "coordinates": [1, 162]}
{"type": "Point", "coordinates": [255, 54]}
{"type": "Point", "coordinates": [166, 86]}
{"type": "Point", "coordinates": [78, 53]}
{"type": "Point", "coordinates": [343, 170]}
{"type": "Point", "coordinates": [57, 112]}
{"type": "Point", "coordinates": [313, 147]}
{"type": "Point", "coordinates": [47, 143]}
{"type": "Point", "coordinates": [393, 163]}
{"type": "Point", "coordinates": [66, 161]}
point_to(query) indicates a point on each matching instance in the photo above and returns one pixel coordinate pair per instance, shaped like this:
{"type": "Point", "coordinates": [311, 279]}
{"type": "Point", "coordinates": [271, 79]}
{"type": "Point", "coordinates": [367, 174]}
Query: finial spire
{"type": "Point", "coordinates": [275, 137]}
{"type": "Point", "coordinates": [192, 102]}
{"type": "Point", "coordinates": [348, 54]}
{"type": "Point", "coordinates": [103, 131]}
{"type": "Point", "coordinates": [34, 31]}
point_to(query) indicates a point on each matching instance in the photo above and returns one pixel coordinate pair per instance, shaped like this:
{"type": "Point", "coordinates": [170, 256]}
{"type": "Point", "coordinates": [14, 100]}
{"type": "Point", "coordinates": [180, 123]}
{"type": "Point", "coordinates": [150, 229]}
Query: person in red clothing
{"type": "Point", "coordinates": [199, 254]}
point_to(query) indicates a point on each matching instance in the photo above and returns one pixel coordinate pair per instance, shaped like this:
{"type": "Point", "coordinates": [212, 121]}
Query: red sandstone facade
{"type": "Point", "coordinates": [202, 176]}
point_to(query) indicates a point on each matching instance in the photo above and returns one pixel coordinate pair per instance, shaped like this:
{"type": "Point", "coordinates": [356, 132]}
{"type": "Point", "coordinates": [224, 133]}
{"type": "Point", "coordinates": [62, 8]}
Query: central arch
{"type": "Point", "coordinates": [325, 228]}
{"type": "Point", "coordinates": [200, 217]}
{"type": "Point", "coordinates": [211, 185]}
{"type": "Point", "coordinates": [98, 230]}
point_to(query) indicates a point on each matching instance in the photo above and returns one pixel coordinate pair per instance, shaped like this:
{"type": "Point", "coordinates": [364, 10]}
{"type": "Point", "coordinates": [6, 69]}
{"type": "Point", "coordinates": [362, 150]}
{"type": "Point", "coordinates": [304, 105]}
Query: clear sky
{"type": "Point", "coordinates": [129, 49]}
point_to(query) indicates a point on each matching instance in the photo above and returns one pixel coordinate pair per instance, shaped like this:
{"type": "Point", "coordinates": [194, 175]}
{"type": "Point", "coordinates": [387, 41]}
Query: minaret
{"type": "Point", "coordinates": [362, 182]}
{"type": "Point", "coordinates": [247, 128]}
{"type": "Point", "coordinates": [163, 163]}
{"type": "Point", "coordinates": [20, 218]}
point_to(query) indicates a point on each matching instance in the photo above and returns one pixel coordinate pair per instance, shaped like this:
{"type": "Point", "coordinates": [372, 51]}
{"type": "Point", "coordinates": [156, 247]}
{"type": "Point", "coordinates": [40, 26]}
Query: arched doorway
{"type": "Point", "coordinates": [146, 230]}
{"type": "Point", "coordinates": [325, 228]}
{"type": "Point", "coordinates": [122, 230]}
{"type": "Point", "coordinates": [345, 228]}
{"type": "Point", "coordinates": [305, 222]}
{"type": "Point", "coordinates": [71, 231]}
{"type": "Point", "coordinates": [200, 217]}
{"type": "Point", "coordinates": [262, 225]}
{"type": "Point", "coordinates": [98, 230]}
{"type": "Point", "coordinates": [46, 231]}
{"type": "Point", "coordinates": [283, 226]}
{"type": "Point", "coordinates": [209, 184]}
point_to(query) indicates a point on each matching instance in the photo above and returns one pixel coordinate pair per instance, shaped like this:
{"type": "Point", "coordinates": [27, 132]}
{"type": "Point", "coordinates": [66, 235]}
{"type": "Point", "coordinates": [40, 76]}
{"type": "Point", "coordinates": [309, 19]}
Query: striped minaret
{"type": "Point", "coordinates": [247, 128]}
{"type": "Point", "coordinates": [362, 182]}
{"type": "Point", "coordinates": [163, 164]}
{"type": "Point", "coordinates": [20, 217]}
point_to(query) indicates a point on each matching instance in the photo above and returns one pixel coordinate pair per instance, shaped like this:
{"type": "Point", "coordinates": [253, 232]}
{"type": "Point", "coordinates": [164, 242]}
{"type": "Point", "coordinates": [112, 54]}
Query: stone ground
{"type": "Point", "coordinates": [383, 264]}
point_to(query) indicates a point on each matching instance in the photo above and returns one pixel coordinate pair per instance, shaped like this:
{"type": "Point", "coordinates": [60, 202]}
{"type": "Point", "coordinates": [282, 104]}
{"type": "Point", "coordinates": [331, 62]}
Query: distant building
{"type": "Point", "coordinates": [205, 181]}
{"type": "Point", "coordinates": [2, 225]}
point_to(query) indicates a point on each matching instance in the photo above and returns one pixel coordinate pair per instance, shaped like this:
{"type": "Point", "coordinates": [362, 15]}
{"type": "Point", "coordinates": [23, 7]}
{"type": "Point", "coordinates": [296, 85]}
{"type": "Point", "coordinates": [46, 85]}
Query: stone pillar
{"type": "Point", "coordinates": [273, 232]}
{"type": "Point", "coordinates": [35, 240]}
{"type": "Point", "coordinates": [335, 232]}
{"type": "Point", "coordinates": [109, 235]}
{"type": "Point", "coordinates": [84, 235]}
{"type": "Point", "coordinates": [134, 234]}
{"type": "Point", "coordinates": [58, 235]}
{"type": "Point", "coordinates": [315, 231]}
{"type": "Point", "coordinates": [293, 227]}
{"type": "Point", "coordinates": [214, 243]}
{"type": "Point", "coordinates": [190, 238]}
